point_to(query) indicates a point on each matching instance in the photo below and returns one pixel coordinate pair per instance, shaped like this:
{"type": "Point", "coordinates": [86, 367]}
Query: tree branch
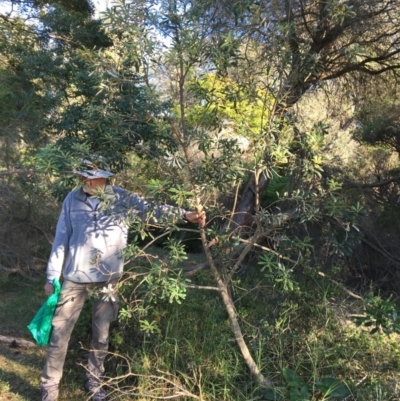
{"type": "Point", "coordinates": [202, 287]}
{"type": "Point", "coordinates": [352, 294]}
{"type": "Point", "coordinates": [49, 237]}
{"type": "Point", "coordinates": [377, 184]}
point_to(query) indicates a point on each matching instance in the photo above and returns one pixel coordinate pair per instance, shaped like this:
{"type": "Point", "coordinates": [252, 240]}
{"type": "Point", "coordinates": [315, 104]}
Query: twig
{"type": "Point", "coordinates": [372, 185]}
{"type": "Point", "coordinates": [360, 381]}
{"type": "Point", "coordinates": [48, 236]}
{"type": "Point", "coordinates": [319, 273]}
{"type": "Point", "coordinates": [168, 380]}
{"type": "Point", "coordinates": [341, 286]}
{"type": "Point", "coordinates": [271, 250]}
{"type": "Point", "coordinates": [352, 294]}
{"type": "Point", "coordinates": [234, 206]}
{"type": "Point", "coordinates": [155, 239]}
{"type": "Point", "coordinates": [190, 272]}
{"type": "Point", "coordinates": [249, 291]}
{"type": "Point", "coordinates": [203, 287]}
{"type": "Point", "coordinates": [10, 270]}
{"type": "Point", "coordinates": [243, 254]}
{"type": "Point", "coordinates": [382, 251]}
{"type": "Point", "coordinates": [357, 384]}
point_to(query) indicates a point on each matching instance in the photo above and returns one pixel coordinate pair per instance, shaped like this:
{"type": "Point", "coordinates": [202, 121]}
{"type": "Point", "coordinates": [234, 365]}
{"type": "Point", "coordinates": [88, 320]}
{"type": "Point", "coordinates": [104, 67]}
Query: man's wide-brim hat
{"type": "Point", "coordinates": [91, 174]}
{"type": "Point", "coordinates": [91, 171]}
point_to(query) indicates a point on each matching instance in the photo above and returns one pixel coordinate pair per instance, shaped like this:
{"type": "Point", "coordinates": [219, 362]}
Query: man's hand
{"type": "Point", "coordinates": [195, 217]}
{"type": "Point", "coordinates": [48, 289]}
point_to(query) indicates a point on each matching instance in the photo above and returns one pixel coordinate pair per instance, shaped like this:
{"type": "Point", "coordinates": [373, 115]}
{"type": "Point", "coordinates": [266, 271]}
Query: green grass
{"type": "Point", "coordinates": [194, 346]}
{"type": "Point", "coordinates": [20, 368]}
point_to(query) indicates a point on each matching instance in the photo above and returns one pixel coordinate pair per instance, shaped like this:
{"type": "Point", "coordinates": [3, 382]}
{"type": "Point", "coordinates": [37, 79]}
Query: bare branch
{"type": "Point", "coordinates": [202, 287]}
{"type": "Point", "coordinates": [372, 185]}
{"type": "Point", "coordinates": [352, 294]}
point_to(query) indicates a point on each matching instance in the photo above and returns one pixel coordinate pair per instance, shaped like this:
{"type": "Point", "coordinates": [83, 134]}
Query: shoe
{"type": "Point", "coordinates": [95, 390]}
{"type": "Point", "coordinates": [49, 392]}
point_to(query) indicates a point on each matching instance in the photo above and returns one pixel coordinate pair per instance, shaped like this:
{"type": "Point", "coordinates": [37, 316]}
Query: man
{"type": "Point", "coordinates": [87, 251]}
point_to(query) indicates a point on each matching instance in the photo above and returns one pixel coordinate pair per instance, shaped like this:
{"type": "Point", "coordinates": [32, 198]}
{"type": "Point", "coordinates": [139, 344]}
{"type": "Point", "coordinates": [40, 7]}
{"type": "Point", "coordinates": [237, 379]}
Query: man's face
{"type": "Point", "coordinates": [90, 185]}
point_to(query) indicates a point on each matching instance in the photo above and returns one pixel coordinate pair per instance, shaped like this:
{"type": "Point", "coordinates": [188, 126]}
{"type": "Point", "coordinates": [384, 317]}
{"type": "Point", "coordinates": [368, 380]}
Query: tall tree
{"type": "Point", "coordinates": [219, 57]}
{"type": "Point", "coordinates": [205, 82]}
{"type": "Point", "coordinates": [310, 42]}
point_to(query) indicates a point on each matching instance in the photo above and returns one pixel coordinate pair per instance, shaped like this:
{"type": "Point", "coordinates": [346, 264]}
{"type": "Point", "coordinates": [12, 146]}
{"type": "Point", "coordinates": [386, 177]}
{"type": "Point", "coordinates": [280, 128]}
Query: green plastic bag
{"type": "Point", "coordinates": [40, 326]}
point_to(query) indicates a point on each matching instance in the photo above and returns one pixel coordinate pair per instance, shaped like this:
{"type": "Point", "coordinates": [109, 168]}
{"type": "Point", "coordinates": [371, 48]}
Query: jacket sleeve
{"type": "Point", "coordinates": [150, 212]}
{"type": "Point", "coordinates": [61, 243]}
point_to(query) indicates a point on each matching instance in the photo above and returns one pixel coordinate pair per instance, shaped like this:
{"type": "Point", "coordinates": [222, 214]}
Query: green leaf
{"type": "Point", "coordinates": [292, 378]}
{"type": "Point", "coordinates": [301, 394]}
{"type": "Point", "coordinates": [332, 387]}
{"type": "Point", "coordinates": [273, 395]}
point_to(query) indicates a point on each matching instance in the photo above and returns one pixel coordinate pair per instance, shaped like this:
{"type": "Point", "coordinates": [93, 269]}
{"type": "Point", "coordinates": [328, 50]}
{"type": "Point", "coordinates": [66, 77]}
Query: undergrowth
{"type": "Point", "coordinates": [191, 346]}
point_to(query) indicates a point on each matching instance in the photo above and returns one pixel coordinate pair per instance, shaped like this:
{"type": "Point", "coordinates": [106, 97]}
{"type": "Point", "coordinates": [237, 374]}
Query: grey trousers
{"type": "Point", "coordinates": [71, 301]}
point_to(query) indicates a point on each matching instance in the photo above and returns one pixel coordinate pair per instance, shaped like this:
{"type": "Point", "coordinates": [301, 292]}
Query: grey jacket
{"type": "Point", "coordinates": [89, 243]}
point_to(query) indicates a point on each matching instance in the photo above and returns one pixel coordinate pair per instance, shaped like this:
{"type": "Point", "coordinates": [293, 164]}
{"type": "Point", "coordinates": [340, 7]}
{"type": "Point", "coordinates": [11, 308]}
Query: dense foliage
{"type": "Point", "coordinates": [193, 102]}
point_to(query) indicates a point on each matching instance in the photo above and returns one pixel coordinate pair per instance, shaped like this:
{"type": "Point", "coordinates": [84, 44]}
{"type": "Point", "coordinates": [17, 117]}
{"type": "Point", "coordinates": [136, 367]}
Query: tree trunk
{"type": "Point", "coordinates": [242, 215]}
{"type": "Point", "coordinates": [244, 349]}
{"type": "Point", "coordinates": [230, 308]}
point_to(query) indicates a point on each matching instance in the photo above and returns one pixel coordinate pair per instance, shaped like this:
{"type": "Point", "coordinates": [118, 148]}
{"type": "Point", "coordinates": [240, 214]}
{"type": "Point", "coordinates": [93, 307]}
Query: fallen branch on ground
{"type": "Point", "coordinates": [16, 342]}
